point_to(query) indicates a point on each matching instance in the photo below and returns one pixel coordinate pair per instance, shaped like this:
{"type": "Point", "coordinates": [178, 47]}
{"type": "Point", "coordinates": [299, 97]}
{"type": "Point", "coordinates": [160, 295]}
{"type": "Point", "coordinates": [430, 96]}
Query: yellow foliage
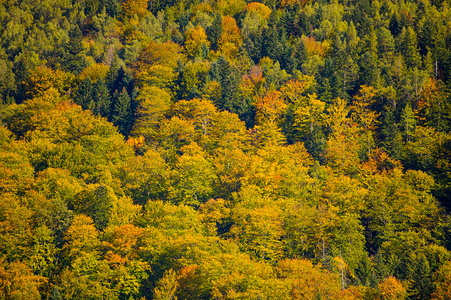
{"type": "Point", "coordinates": [230, 7]}
{"type": "Point", "coordinates": [230, 33]}
{"type": "Point", "coordinates": [94, 72]}
{"type": "Point", "coordinates": [135, 7]}
{"type": "Point", "coordinates": [442, 281]}
{"type": "Point", "coordinates": [270, 107]}
{"type": "Point", "coordinates": [136, 143]}
{"type": "Point", "coordinates": [293, 89]}
{"type": "Point", "coordinates": [264, 10]}
{"type": "Point", "coordinates": [42, 79]}
{"type": "Point", "coordinates": [302, 3]}
{"type": "Point", "coordinates": [165, 54]}
{"type": "Point", "coordinates": [195, 38]}
{"type": "Point", "coordinates": [392, 289]}
{"type": "Point", "coordinates": [315, 48]}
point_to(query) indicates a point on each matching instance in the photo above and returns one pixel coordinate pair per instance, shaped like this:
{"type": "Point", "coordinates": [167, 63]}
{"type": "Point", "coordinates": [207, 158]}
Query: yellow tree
{"type": "Point", "coordinates": [194, 39]}
{"type": "Point", "coordinates": [153, 104]}
{"type": "Point", "coordinates": [442, 281]}
{"type": "Point", "coordinates": [270, 107]}
{"type": "Point", "coordinates": [309, 115]}
{"type": "Point", "coordinates": [17, 281]}
{"type": "Point", "coordinates": [194, 176]}
{"type": "Point", "coordinates": [392, 289]}
{"type": "Point", "coordinates": [230, 40]}
{"type": "Point", "coordinates": [81, 237]}
{"type": "Point", "coordinates": [262, 9]}
{"type": "Point", "coordinates": [131, 8]}
{"type": "Point", "coordinates": [363, 114]}
{"type": "Point", "coordinates": [308, 281]}
{"type": "Point", "coordinates": [342, 146]}
{"type": "Point", "coordinates": [257, 225]}
{"type": "Point", "coordinates": [42, 79]}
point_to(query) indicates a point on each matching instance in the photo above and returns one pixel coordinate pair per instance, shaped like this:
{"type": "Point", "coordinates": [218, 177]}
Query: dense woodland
{"type": "Point", "coordinates": [224, 149]}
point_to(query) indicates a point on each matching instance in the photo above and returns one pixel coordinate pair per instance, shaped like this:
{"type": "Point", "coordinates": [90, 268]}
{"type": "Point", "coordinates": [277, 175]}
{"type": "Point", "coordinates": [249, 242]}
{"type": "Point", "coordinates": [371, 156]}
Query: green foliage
{"type": "Point", "coordinates": [225, 150]}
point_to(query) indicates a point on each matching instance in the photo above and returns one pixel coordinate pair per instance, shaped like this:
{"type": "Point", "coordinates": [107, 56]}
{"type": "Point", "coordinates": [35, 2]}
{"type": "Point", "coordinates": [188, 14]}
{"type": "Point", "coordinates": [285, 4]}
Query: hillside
{"type": "Point", "coordinates": [224, 149]}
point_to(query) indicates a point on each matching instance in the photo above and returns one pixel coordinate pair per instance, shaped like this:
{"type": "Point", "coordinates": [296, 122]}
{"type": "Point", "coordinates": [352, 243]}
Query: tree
{"type": "Point", "coordinates": [194, 177]}
{"type": "Point", "coordinates": [153, 104]}
{"type": "Point", "coordinates": [408, 122]}
{"type": "Point", "coordinates": [392, 288]}
{"type": "Point", "coordinates": [101, 96]}
{"type": "Point", "coordinates": [195, 39]}
{"type": "Point", "coordinates": [341, 151]}
{"type": "Point", "coordinates": [122, 115]}
{"type": "Point", "coordinates": [442, 282]}
{"type": "Point", "coordinates": [363, 114]}
{"type": "Point", "coordinates": [75, 60]}
{"type": "Point", "coordinates": [166, 286]}
{"type": "Point", "coordinates": [214, 31]}
{"type": "Point", "coordinates": [17, 281]}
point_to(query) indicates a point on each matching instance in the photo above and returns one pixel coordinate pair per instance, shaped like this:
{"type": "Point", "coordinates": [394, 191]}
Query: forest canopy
{"type": "Point", "coordinates": [213, 149]}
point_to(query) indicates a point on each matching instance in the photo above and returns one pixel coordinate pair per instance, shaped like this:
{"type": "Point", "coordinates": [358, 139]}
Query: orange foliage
{"type": "Point", "coordinates": [17, 281]}
{"type": "Point", "coordinates": [428, 98]}
{"type": "Point", "coordinates": [230, 32]}
{"type": "Point", "coordinates": [314, 47]}
{"type": "Point", "coordinates": [253, 81]}
{"type": "Point", "coordinates": [135, 7]}
{"type": "Point", "coordinates": [293, 90]}
{"type": "Point", "coordinates": [264, 10]}
{"type": "Point", "coordinates": [270, 106]}
{"type": "Point", "coordinates": [309, 281]}
{"type": "Point", "coordinates": [122, 244]}
{"type": "Point", "coordinates": [302, 3]}
{"type": "Point", "coordinates": [136, 143]}
{"type": "Point", "coordinates": [392, 289]}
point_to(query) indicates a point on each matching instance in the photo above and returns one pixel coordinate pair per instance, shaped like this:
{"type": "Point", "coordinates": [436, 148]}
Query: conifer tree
{"type": "Point", "coordinates": [102, 98]}
{"type": "Point", "coordinates": [121, 115]}
{"type": "Point", "coordinates": [83, 96]}
{"type": "Point", "coordinates": [214, 31]}
{"type": "Point", "coordinates": [74, 60]}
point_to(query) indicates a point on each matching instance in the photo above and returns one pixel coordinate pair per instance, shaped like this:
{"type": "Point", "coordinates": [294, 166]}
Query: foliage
{"type": "Point", "coordinates": [225, 149]}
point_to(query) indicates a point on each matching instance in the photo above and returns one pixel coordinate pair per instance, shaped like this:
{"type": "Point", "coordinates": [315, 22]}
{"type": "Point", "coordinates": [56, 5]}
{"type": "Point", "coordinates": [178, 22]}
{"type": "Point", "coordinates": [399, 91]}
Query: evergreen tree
{"type": "Point", "coordinates": [102, 98]}
{"type": "Point", "coordinates": [229, 78]}
{"type": "Point", "coordinates": [390, 135]}
{"type": "Point", "coordinates": [214, 31]}
{"type": "Point", "coordinates": [122, 114]}
{"type": "Point", "coordinates": [408, 122]}
{"type": "Point", "coordinates": [74, 60]}
{"type": "Point", "coordinates": [83, 96]}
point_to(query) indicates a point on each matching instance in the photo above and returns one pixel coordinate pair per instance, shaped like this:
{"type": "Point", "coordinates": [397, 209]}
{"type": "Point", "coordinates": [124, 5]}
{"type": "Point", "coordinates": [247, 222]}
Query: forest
{"type": "Point", "coordinates": [225, 149]}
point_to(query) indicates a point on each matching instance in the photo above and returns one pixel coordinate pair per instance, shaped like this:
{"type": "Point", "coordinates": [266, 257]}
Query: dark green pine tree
{"type": "Point", "coordinates": [368, 70]}
{"type": "Point", "coordinates": [393, 26]}
{"type": "Point", "coordinates": [74, 59]}
{"type": "Point", "coordinates": [229, 80]}
{"type": "Point", "coordinates": [121, 115]}
{"type": "Point", "coordinates": [253, 45]}
{"type": "Point", "coordinates": [112, 7]}
{"type": "Point", "coordinates": [300, 54]}
{"type": "Point", "coordinates": [214, 31]}
{"type": "Point", "coordinates": [325, 91]}
{"type": "Point", "coordinates": [20, 70]}
{"type": "Point", "coordinates": [407, 45]}
{"type": "Point", "coordinates": [272, 47]}
{"type": "Point", "coordinates": [83, 96]}
{"type": "Point", "coordinates": [420, 275]}
{"type": "Point", "coordinates": [102, 98]}
{"type": "Point", "coordinates": [391, 136]}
